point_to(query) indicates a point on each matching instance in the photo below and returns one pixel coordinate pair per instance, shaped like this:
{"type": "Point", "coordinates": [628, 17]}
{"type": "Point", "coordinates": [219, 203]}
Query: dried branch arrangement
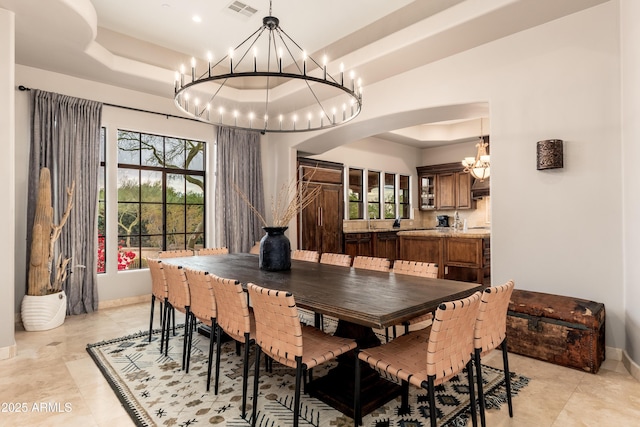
{"type": "Point", "coordinates": [290, 199]}
{"type": "Point", "coordinates": [44, 236]}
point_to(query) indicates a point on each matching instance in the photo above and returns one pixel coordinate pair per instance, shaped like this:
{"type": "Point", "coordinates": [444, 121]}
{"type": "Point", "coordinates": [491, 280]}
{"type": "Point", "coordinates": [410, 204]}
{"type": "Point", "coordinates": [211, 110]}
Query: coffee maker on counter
{"type": "Point", "coordinates": [443, 221]}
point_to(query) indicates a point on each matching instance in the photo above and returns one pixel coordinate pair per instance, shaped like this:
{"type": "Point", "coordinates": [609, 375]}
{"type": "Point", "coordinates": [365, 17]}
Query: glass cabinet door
{"type": "Point", "coordinates": [427, 192]}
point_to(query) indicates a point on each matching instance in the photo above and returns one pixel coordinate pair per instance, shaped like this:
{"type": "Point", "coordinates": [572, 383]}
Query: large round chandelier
{"type": "Point", "coordinates": [268, 83]}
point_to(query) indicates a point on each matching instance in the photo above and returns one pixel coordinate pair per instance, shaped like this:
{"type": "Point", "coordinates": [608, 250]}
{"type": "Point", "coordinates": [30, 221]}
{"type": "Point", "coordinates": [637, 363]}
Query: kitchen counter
{"type": "Point", "coordinates": [382, 230]}
{"type": "Point", "coordinates": [472, 233]}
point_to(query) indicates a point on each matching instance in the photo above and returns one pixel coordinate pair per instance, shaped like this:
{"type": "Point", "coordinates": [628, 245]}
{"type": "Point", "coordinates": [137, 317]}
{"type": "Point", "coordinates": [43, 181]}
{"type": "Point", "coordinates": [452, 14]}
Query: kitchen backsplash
{"type": "Point", "coordinates": [478, 217]}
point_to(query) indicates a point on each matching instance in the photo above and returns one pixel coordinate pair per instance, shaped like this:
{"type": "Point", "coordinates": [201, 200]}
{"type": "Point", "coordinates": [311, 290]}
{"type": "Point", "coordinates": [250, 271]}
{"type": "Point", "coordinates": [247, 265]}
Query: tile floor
{"type": "Point", "coordinates": [56, 382]}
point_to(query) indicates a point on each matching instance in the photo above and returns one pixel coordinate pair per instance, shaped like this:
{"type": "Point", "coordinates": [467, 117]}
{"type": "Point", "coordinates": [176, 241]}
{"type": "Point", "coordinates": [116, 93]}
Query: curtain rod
{"type": "Point", "coordinates": [24, 88]}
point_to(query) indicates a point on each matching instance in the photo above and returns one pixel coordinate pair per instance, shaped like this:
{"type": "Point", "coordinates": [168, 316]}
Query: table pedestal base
{"type": "Point", "coordinates": [336, 389]}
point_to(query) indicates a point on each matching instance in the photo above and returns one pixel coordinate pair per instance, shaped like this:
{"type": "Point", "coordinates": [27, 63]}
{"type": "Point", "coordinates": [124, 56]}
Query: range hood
{"type": "Point", "coordinates": [480, 189]}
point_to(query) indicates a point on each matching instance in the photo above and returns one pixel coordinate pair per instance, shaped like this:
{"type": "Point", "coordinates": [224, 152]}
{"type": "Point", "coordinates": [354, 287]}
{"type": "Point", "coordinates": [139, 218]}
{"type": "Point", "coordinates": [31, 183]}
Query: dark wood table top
{"type": "Point", "coordinates": [368, 298]}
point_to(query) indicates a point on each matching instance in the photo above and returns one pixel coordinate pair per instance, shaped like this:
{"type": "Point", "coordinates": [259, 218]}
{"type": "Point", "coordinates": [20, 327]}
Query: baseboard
{"type": "Point", "coordinates": [632, 367]}
{"type": "Point", "coordinates": [124, 301]}
{"type": "Point", "coordinates": [8, 352]}
{"type": "Point", "coordinates": [102, 305]}
{"type": "Point", "coordinates": [613, 353]}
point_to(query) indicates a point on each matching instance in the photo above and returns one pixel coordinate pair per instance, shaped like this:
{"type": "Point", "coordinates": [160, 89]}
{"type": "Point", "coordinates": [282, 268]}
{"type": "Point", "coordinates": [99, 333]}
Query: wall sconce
{"type": "Point", "coordinates": [550, 154]}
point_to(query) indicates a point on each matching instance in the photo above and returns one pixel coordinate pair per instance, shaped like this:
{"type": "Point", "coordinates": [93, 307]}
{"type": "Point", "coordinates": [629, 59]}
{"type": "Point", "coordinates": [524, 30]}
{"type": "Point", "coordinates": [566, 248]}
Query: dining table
{"type": "Point", "coordinates": [361, 300]}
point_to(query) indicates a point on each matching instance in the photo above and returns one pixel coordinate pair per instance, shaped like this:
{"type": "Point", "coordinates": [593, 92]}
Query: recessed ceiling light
{"type": "Point", "coordinates": [196, 18]}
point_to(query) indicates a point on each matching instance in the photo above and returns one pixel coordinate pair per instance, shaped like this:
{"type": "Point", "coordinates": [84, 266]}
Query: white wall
{"type": "Point", "coordinates": [449, 153]}
{"type": "Point", "coordinates": [7, 211]}
{"type": "Point", "coordinates": [630, 38]}
{"type": "Point", "coordinates": [376, 154]}
{"type": "Point", "coordinates": [559, 231]}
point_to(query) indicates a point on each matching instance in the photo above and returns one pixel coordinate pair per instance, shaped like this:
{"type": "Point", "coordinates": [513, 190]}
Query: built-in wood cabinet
{"type": "Point", "coordinates": [427, 191]}
{"type": "Point", "coordinates": [444, 186]}
{"type": "Point", "coordinates": [423, 249]}
{"type": "Point", "coordinates": [381, 244]}
{"type": "Point", "coordinates": [385, 245]}
{"type": "Point", "coordinates": [358, 244]}
{"type": "Point", "coordinates": [466, 259]}
{"type": "Point", "coordinates": [458, 258]}
{"type": "Point", "coordinates": [320, 223]}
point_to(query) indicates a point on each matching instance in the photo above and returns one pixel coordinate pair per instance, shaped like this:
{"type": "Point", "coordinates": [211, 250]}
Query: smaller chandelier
{"type": "Point", "coordinates": [478, 167]}
{"type": "Point", "coordinates": [269, 83]}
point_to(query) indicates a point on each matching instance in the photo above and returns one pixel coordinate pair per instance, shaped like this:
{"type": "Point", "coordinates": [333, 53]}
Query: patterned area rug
{"type": "Point", "coordinates": [156, 392]}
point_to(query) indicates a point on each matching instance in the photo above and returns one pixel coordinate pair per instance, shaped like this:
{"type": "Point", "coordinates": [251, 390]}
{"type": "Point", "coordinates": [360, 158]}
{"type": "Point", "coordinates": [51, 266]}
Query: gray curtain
{"type": "Point", "coordinates": [239, 162]}
{"type": "Point", "coordinates": [65, 137]}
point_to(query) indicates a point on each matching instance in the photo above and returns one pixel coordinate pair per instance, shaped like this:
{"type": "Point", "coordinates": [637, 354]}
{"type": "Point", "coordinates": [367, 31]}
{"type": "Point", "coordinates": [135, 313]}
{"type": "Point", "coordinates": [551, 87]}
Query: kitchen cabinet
{"type": "Point", "coordinates": [381, 244]}
{"type": "Point", "coordinates": [358, 244]}
{"type": "Point", "coordinates": [320, 223]}
{"type": "Point", "coordinates": [423, 249]}
{"type": "Point", "coordinates": [467, 260]}
{"type": "Point", "coordinates": [444, 186]}
{"type": "Point", "coordinates": [458, 257]}
{"type": "Point", "coordinates": [385, 245]}
{"type": "Point", "coordinates": [453, 190]}
{"type": "Point", "coordinates": [427, 191]}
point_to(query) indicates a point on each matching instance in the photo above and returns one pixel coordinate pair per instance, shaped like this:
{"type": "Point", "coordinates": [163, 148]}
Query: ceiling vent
{"type": "Point", "coordinates": [242, 8]}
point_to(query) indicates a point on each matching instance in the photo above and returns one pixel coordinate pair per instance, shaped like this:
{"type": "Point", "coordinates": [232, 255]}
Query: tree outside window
{"type": "Point", "coordinates": [373, 194]}
{"type": "Point", "coordinates": [355, 194]}
{"type": "Point", "coordinates": [389, 196]}
{"type": "Point", "coordinates": [404, 201]}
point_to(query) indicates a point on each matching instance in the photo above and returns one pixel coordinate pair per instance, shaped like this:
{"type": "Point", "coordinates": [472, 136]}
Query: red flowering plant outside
{"type": "Point", "coordinates": [124, 257]}
{"type": "Point", "coordinates": [101, 263]}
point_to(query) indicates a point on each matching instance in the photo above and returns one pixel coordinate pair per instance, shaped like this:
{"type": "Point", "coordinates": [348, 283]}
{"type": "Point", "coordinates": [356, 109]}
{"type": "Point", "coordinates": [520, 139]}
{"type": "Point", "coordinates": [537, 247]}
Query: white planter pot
{"type": "Point", "coordinates": [41, 313]}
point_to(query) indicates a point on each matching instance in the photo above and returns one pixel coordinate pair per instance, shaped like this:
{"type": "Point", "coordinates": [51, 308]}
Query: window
{"type": "Point", "coordinates": [161, 196]}
{"type": "Point", "coordinates": [102, 208]}
{"type": "Point", "coordinates": [404, 203]}
{"type": "Point", "coordinates": [390, 201]}
{"type": "Point", "coordinates": [389, 196]}
{"type": "Point", "coordinates": [373, 194]}
{"type": "Point", "coordinates": [355, 194]}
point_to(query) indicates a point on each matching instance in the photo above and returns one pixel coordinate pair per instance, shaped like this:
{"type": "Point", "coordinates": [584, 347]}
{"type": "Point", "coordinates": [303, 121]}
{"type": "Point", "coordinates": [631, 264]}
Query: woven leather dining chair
{"type": "Point", "coordinates": [335, 259]}
{"type": "Point", "coordinates": [330, 258]}
{"type": "Point", "coordinates": [414, 268]}
{"type": "Point", "coordinates": [179, 299]}
{"type": "Point", "coordinates": [304, 255]}
{"type": "Point", "coordinates": [371, 263]}
{"type": "Point", "coordinates": [281, 336]}
{"type": "Point", "coordinates": [237, 321]}
{"type": "Point", "coordinates": [160, 292]}
{"type": "Point", "coordinates": [428, 357]}
{"type": "Point", "coordinates": [489, 333]}
{"type": "Point", "coordinates": [213, 251]}
{"type": "Point", "coordinates": [175, 254]}
{"type": "Point", "coordinates": [203, 308]}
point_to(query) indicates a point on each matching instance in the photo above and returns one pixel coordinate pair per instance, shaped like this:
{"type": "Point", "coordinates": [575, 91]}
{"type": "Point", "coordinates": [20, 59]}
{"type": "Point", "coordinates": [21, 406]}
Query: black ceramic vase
{"type": "Point", "coordinates": [275, 250]}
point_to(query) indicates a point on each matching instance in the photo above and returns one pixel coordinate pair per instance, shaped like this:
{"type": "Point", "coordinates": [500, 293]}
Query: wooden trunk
{"type": "Point", "coordinates": [562, 330]}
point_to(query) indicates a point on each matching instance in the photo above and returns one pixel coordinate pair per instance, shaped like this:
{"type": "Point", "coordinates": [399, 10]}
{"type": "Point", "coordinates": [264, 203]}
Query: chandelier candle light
{"type": "Point", "coordinates": [287, 92]}
{"type": "Point", "coordinates": [478, 167]}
